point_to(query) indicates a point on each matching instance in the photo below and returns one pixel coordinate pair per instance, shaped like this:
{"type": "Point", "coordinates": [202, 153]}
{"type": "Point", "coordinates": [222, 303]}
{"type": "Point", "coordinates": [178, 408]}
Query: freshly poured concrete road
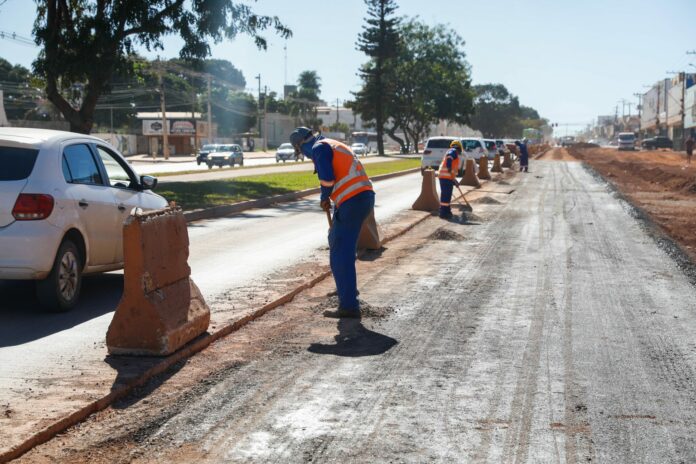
{"type": "Point", "coordinates": [556, 331]}
{"type": "Point", "coordinates": [227, 253]}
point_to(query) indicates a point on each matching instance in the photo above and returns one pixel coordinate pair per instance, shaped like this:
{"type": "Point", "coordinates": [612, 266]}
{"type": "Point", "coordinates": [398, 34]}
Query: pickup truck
{"type": "Point", "coordinates": [656, 142]}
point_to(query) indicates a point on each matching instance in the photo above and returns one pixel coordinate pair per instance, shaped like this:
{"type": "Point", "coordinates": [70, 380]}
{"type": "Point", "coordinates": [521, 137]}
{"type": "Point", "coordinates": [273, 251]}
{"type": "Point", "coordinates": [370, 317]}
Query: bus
{"type": "Point", "coordinates": [368, 138]}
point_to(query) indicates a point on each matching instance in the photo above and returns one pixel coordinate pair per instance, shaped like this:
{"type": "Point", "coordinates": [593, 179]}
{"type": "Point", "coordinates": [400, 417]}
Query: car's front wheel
{"type": "Point", "coordinates": [61, 289]}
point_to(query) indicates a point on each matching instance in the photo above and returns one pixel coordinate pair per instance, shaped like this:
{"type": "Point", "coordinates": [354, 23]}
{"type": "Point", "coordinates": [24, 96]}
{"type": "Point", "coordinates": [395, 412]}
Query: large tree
{"type": "Point", "coordinates": [20, 92]}
{"type": "Point", "coordinates": [499, 113]}
{"type": "Point", "coordinates": [380, 42]}
{"type": "Point", "coordinates": [305, 100]}
{"type": "Point", "coordinates": [87, 42]}
{"type": "Point", "coordinates": [430, 82]}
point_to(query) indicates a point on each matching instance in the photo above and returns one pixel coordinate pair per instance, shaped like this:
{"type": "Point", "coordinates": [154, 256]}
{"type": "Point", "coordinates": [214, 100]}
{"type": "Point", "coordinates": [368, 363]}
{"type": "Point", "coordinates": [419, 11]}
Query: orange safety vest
{"type": "Point", "coordinates": [349, 173]}
{"type": "Point", "coordinates": [445, 173]}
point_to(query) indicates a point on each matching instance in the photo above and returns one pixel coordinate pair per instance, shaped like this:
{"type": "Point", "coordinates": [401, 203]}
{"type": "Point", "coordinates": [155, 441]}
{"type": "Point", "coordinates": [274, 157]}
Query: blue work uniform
{"type": "Point", "coordinates": [446, 175]}
{"type": "Point", "coordinates": [348, 218]}
{"type": "Point", "coordinates": [524, 156]}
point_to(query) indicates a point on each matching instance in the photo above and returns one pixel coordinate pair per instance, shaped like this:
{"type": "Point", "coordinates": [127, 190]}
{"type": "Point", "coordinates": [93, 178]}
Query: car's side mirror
{"type": "Point", "coordinates": [148, 182]}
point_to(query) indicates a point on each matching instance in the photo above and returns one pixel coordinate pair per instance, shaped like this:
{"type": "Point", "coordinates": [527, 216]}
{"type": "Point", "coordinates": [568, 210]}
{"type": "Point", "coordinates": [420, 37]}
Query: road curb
{"type": "Point", "coordinates": [226, 210]}
{"type": "Point", "coordinates": [202, 341]}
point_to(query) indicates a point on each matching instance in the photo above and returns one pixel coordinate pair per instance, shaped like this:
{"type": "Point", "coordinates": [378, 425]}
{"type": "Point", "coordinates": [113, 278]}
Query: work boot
{"type": "Point", "coordinates": [446, 213]}
{"type": "Point", "coordinates": [335, 293]}
{"type": "Point", "coordinates": [343, 313]}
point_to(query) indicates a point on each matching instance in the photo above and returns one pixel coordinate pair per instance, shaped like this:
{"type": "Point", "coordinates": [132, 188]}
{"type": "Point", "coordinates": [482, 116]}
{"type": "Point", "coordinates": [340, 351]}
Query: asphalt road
{"type": "Point", "coordinates": [551, 328]}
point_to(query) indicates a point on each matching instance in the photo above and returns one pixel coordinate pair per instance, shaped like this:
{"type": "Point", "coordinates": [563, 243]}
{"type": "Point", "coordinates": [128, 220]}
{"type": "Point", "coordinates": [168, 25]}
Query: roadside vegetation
{"type": "Point", "coordinates": [194, 195]}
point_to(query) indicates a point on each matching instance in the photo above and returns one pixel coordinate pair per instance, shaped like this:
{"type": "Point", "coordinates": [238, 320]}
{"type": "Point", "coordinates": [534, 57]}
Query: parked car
{"type": "Point", "coordinates": [502, 149]}
{"type": "Point", "coordinates": [656, 142]}
{"type": "Point", "coordinates": [626, 141]}
{"type": "Point", "coordinates": [434, 151]}
{"type": "Point", "coordinates": [63, 200]}
{"type": "Point", "coordinates": [491, 148]}
{"type": "Point", "coordinates": [286, 152]}
{"type": "Point", "coordinates": [359, 149]}
{"type": "Point", "coordinates": [205, 151]}
{"type": "Point", "coordinates": [226, 155]}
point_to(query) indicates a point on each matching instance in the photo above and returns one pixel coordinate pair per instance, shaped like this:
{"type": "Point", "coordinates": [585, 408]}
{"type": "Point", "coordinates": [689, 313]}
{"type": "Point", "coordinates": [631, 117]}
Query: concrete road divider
{"type": "Point", "coordinates": [469, 175]}
{"type": "Point", "coordinates": [507, 160]}
{"type": "Point", "coordinates": [496, 164]}
{"type": "Point", "coordinates": [483, 168]}
{"type": "Point", "coordinates": [427, 200]}
{"type": "Point", "coordinates": [161, 308]}
{"type": "Point", "coordinates": [370, 235]}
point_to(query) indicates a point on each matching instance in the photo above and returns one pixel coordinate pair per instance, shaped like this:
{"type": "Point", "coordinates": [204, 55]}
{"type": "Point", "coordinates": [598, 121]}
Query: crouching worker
{"type": "Point", "coordinates": [447, 175]}
{"type": "Point", "coordinates": [343, 180]}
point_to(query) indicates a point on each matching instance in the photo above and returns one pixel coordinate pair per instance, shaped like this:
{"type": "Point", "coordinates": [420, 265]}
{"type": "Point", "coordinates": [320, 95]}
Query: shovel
{"type": "Point", "coordinates": [466, 207]}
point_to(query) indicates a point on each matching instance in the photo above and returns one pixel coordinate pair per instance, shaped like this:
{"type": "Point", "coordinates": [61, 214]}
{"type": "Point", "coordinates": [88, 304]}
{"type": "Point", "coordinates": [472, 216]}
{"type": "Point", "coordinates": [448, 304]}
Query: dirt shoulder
{"type": "Point", "coordinates": [658, 182]}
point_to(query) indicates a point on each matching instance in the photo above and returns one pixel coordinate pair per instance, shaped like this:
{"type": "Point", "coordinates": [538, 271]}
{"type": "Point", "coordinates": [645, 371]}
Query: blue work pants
{"type": "Point", "coordinates": [446, 187]}
{"type": "Point", "coordinates": [343, 243]}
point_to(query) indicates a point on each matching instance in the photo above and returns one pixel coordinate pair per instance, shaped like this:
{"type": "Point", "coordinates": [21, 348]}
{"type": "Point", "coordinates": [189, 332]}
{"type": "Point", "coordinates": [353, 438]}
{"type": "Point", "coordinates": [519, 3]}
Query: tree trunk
{"type": "Point", "coordinates": [391, 132]}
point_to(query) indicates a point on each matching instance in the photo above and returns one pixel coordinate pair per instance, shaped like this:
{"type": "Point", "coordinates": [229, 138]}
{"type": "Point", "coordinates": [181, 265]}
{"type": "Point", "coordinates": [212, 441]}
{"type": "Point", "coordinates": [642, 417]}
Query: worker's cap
{"type": "Point", "coordinates": [300, 136]}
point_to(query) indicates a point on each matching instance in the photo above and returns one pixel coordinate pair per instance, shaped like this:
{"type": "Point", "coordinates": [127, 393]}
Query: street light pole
{"type": "Point", "coordinates": [163, 106]}
{"type": "Point", "coordinates": [210, 116]}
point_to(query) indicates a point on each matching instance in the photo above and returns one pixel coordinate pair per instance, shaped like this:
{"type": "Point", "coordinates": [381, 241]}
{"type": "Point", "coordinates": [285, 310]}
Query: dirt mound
{"type": "Point", "coordinates": [366, 309]}
{"type": "Point", "coordinates": [488, 201]}
{"type": "Point", "coordinates": [444, 234]}
{"type": "Point", "coordinates": [585, 145]}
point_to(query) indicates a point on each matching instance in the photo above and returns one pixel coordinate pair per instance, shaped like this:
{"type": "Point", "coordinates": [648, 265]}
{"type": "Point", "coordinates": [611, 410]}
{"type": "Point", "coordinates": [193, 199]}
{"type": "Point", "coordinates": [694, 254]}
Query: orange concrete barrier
{"type": "Point", "coordinates": [161, 308]}
{"type": "Point", "coordinates": [483, 168]}
{"type": "Point", "coordinates": [469, 175]}
{"type": "Point", "coordinates": [370, 237]}
{"type": "Point", "coordinates": [427, 200]}
{"type": "Point", "coordinates": [496, 164]}
{"type": "Point", "coordinates": [507, 160]}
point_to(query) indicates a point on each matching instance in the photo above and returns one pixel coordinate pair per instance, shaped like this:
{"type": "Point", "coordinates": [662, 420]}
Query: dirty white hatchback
{"type": "Point", "coordinates": [63, 200]}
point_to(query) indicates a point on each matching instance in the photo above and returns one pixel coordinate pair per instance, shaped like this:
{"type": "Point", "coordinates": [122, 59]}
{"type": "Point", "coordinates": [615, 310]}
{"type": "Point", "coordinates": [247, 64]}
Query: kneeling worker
{"type": "Point", "coordinates": [448, 177]}
{"type": "Point", "coordinates": [343, 180]}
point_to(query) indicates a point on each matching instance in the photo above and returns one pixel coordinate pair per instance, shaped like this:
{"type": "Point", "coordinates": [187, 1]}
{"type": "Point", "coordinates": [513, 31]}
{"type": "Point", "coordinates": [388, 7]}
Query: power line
{"type": "Point", "coordinates": [18, 38]}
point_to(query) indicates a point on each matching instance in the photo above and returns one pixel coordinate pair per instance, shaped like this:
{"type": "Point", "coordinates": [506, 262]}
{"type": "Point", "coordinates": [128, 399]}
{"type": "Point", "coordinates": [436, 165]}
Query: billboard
{"type": "Point", "coordinates": [176, 127]}
{"type": "Point", "coordinates": [690, 107]}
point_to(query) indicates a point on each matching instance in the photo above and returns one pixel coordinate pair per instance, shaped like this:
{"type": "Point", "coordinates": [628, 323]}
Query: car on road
{"type": "Point", "coordinates": [491, 148]}
{"type": "Point", "coordinates": [64, 198]}
{"type": "Point", "coordinates": [226, 155]}
{"type": "Point", "coordinates": [359, 149]}
{"type": "Point", "coordinates": [626, 141]}
{"type": "Point", "coordinates": [567, 141]}
{"type": "Point", "coordinates": [474, 147]}
{"type": "Point", "coordinates": [205, 151]}
{"type": "Point", "coordinates": [656, 142]}
{"type": "Point", "coordinates": [286, 152]}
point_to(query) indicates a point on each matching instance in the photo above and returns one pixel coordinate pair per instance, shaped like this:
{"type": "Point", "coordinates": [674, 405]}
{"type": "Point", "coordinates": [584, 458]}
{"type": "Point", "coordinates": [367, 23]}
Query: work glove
{"type": "Point", "coordinates": [325, 205]}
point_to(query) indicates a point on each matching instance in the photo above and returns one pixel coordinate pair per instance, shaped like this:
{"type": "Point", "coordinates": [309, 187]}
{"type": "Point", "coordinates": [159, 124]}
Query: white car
{"type": "Point", "coordinates": [286, 152]}
{"type": "Point", "coordinates": [359, 149]}
{"type": "Point", "coordinates": [434, 150]}
{"type": "Point", "coordinates": [63, 200]}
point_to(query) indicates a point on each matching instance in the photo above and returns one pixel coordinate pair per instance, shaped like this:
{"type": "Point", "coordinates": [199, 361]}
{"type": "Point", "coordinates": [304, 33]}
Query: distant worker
{"type": "Point", "coordinates": [690, 142]}
{"type": "Point", "coordinates": [343, 180]}
{"type": "Point", "coordinates": [448, 177]}
{"type": "Point", "coordinates": [524, 155]}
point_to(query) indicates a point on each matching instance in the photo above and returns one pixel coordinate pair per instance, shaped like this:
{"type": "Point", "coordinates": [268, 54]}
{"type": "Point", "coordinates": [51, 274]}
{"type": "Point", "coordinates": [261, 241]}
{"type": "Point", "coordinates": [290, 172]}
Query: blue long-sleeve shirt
{"type": "Point", "coordinates": [453, 155]}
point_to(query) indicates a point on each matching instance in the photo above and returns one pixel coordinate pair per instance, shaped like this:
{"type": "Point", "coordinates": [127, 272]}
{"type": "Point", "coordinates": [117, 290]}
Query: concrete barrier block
{"type": "Point", "coordinates": [507, 160]}
{"type": "Point", "coordinates": [483, 168]}
{"type": "Point", "coordinates": [371, 234]}
{"type": "Point", "coordinates": [161, 308]}
{"type": "Point", "coordinates": [469, 175]}
{"type": "Point", "coordinates": [496, 164]}
{"type": "Point", "coordinates": [428, 199]}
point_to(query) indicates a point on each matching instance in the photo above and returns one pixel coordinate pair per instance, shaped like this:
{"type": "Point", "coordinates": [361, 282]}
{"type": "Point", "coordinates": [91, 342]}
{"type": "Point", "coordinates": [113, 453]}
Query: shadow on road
{"type": "Point", "coordinates": [354, 340]}
{"type": "Point", "coordinates": [22, 320]}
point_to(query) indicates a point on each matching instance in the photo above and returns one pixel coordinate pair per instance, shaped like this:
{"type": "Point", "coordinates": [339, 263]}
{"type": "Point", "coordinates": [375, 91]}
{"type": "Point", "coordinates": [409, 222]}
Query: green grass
{"type": "Point", "coordinates": [194, 195]}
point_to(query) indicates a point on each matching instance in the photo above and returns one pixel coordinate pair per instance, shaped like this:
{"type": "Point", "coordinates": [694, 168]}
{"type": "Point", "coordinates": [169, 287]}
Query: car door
{"type": "Point", "coordinates": [125, 188]}
{"type": "Point", "coordinates": [92, 202]}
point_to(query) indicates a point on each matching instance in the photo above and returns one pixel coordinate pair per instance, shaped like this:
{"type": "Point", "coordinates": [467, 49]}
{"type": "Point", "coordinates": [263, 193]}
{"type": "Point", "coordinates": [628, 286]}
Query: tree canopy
{"type": "Point", "coordinates": [499, 113]}
{"type": "Point", "coordinates": [87, 42]}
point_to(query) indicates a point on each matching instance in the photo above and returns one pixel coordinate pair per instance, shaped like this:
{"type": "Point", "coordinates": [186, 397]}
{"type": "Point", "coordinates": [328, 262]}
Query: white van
{"type": "Point", "coordinates": [627, 141]}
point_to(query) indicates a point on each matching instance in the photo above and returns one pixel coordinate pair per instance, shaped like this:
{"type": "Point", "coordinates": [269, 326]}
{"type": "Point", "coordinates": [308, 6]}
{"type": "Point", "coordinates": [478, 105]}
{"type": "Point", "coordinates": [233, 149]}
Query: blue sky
{"type": "Point", "coordinates": [571, 60]}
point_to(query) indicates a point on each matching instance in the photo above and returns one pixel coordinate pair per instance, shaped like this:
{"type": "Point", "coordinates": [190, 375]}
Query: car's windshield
{"type": "Point", "coordinates": [285, 146]}
{"type": "Point", "coordinates": [439, 143]}
{"type": "Point", "coordinates": [209, 148]}
{"type": "Point", "coordinates": [16, 163]}
{"type": "Point", "coordinates": [490, 144]}
{"type": "Point", "coordinates": [626, 137]}
{"type": "Point", "coordinates": [471, 144]}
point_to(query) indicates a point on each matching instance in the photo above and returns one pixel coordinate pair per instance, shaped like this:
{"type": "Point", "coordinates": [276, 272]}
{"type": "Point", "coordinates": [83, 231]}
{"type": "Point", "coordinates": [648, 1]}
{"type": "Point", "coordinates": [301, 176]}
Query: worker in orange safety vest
{"type": "Point", "coordinates": [343, 180]}
{"type": "Point", "coordinates": [447, 175]}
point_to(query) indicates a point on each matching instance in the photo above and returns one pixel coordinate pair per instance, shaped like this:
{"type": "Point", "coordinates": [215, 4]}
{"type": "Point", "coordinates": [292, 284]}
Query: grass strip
{"type": "Point", "coordinates": [195, 195]}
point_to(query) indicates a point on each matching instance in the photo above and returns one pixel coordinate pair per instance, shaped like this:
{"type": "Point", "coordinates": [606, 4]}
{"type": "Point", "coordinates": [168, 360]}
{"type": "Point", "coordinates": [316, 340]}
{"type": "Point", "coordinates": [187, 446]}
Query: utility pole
{"type": "Point", "coordinates": [165, 129]}
{"type": "Point", "coordinates": [195, 121]}
{"type": "Point", "coordinates": [640, 111]}
{"type": "Point", "coordinates": [265, 119]}
{"type": "Point", "coordinates": [210, 115]}
{"type": "Point", "coordinates": [337, 112]}
{"type": "Point", "coordinates": [285, 77]}
{"type": "Point", "coordinates": [111, 111]}
{"type": "Point", "coordinates": [258, 78]}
